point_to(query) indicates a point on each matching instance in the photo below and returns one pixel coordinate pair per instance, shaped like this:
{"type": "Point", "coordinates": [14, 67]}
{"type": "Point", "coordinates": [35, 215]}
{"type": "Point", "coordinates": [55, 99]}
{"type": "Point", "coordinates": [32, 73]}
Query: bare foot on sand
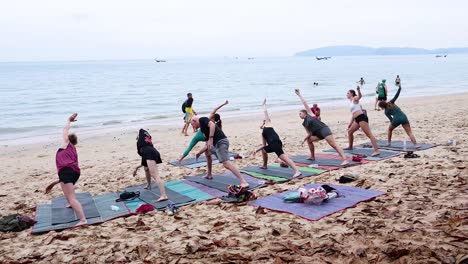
{"type": "Point", "coordinates": [344, 163]}
{"type": "Point", "coordinates": [375, 153]}
{"type": "Point", "coordinates": [148, 187]}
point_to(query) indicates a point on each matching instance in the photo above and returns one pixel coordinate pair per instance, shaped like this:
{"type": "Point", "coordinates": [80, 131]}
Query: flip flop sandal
{"type": "Point", "coordinates": [411, 155]}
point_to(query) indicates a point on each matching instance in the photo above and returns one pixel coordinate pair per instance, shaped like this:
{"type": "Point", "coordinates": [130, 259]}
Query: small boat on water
{"type": "Point", "coordinates": [440, 56]}
{"type": "Point", "coordinates": [322, 58]}
{"type": "Point", "coordinates": [156, 60]}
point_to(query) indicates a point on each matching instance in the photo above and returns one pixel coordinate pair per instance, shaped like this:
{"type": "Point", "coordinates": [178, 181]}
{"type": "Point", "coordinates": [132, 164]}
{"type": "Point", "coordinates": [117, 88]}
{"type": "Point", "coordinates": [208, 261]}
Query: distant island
{"type": "Point", "coordinates": [368, 51]}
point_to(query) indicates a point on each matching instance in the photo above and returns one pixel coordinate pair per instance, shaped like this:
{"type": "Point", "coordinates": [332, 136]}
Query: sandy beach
{"type": "Point", "coordinates": [422, 218]}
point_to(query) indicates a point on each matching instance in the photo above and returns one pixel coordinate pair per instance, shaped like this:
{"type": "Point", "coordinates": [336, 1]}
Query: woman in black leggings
{"type": "Point", "coordinates": [272, 143]}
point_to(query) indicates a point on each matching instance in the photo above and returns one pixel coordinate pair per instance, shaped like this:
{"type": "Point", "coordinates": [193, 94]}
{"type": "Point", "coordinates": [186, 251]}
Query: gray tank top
{"type": "Point", "coordinates": [312, 124]}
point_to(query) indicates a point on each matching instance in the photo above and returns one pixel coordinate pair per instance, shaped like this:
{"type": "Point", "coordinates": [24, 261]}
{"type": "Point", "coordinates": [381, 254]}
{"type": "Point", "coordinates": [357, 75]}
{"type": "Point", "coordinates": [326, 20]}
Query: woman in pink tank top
{"type": "Point", "coordinates": [68, 170]}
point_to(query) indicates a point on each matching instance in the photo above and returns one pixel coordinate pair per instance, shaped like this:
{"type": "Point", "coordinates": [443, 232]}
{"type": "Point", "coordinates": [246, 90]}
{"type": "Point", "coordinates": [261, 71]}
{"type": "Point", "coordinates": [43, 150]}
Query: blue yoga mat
{"type": "Point", "coordinates": [384, 154]}
{"type": "Point", "coordinates": [398, 145]}
{"type": "Point", "coordinates": [348, 197]}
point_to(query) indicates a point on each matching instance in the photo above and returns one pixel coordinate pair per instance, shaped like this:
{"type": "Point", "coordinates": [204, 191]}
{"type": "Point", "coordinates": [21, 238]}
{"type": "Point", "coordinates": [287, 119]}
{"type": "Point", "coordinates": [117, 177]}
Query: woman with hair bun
{"type": "Point", "coordinates": [359, 120]}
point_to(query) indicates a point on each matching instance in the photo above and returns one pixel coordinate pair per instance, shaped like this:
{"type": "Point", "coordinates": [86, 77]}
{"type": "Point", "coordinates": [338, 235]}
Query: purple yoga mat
{"type": "Point", "coordinates": [349, 197]}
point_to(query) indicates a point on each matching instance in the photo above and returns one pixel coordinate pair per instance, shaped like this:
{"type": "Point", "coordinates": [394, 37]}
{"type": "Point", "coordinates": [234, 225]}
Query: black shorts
{"type": "Point", "coordinates": [149, 153]}
{"type": "Point", "coordinates": [360, 118]}
{"type": "Point", "coordinates": [382, 98]}
{"type": "Point", "coordinates": [322, 133]}
{"type": "Point", "coordinates": [276, 147]}
{"type": "Point", "coordinates": [68, 175]}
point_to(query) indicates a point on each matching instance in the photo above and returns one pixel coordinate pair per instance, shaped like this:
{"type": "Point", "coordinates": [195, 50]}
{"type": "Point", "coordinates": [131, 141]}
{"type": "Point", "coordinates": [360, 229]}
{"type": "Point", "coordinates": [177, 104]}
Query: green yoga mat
{"type": "Point", "coordinates": [267, 177]}
{"type": "Point", "coordinates": [179, 187]}
{"type": "Point", "coordinates": [277, 171]}
{"type": "Point", "coordinates": [196, 194]}
{"type": "Point", "coordinates": [307, 169]}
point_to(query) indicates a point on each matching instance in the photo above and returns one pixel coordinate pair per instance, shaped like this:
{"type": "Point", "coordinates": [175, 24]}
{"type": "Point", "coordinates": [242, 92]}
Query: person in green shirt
{"type": "Point", "coordinates": [200, 137]}
{"type": "Point", "coordinates": [382, 91]}
{"type": "Point", "coordinates": [396, 117]}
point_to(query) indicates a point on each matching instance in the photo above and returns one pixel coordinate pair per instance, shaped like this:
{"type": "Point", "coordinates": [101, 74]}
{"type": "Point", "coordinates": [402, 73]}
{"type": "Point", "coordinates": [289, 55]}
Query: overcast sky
{"type": "Point", "coordinates": [102, 29]}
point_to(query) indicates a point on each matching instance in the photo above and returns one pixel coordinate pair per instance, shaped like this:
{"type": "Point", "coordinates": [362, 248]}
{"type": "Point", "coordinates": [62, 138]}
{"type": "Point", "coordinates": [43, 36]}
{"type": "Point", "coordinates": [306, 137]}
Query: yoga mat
{"type": "Point", "coordinates": [321, 161]}
{"type": "Point", "coordinates": [277, 171]}
{"type": "Point", "coordinates": [150, 196]}
{"type": "Point", "coordinates": [213, 192]}
{"type": "Point", "coordinates": [397, 145]}
{"type": "Point", "coordinates": [349, 197]}
{"type": "Point", "coordinates": [43, 215]}
{"type": "Point", "coordinates": [384, 154]}
{"type": "Point", "coordinates": [220, 182]}
{"type": "Point", "coordinates": [201, 160]}
{"type": "Point", "coordinates": [306, 169]}
{"type": "Point", "coordinates": [189, 191]}
{"type": "Point", "coordinates": [62, 214]}
{"type": "Point", "coordinates": [267, 177]}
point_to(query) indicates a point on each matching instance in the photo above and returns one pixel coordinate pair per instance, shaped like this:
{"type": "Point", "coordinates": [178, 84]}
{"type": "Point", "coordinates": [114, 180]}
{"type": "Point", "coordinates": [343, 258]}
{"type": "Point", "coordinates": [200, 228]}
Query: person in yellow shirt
{"type": "Point", "coordinates": [189, 113]}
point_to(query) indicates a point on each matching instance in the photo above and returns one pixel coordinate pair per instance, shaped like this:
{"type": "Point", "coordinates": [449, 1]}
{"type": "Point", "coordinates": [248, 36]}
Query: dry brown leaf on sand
{"type": "Point", "coordinates": [260, 210]}
{"type": "Point", "coordinates": [250, 227]}
{"type": "Point", "coordinates": [219, 243]}
{"type": "Point", "coordinates": [275, 232]}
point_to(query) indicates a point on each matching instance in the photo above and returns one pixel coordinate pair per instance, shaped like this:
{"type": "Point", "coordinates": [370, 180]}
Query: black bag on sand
{"type": "Point", "coordinates": [15, 223]}
{"type": "Point", "coordinates": [125, 196]}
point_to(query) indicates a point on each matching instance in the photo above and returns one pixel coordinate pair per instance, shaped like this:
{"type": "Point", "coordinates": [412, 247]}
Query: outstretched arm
{"type": "Point", "coordinates": [136, 170]}
{"type": "Point", "coordinates": [212, 114]}
{"type": "Point", "coordinates": [389, 117]}
{"type": "Point", "coordinates": [50, 186]}
{"type": "Point", "coordinates": [306, 105]}
{"type": "Point", "coordinates": [265, 112]}
{"type": "Point", "coordinates": [66, 129]}
{"type": "Point", "coordinates": [264, 143]}
{"type": "Point", "coordinates": [396, 95]}
{"type": "Point", "coordinates": [359, 93]}
{"type": "Point", "coordinates": [209, 142]}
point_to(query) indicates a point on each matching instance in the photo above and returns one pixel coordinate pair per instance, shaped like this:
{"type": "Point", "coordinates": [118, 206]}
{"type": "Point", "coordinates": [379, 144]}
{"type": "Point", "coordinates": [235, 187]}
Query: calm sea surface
{"type": "Point", "coordinates": [37, 97]}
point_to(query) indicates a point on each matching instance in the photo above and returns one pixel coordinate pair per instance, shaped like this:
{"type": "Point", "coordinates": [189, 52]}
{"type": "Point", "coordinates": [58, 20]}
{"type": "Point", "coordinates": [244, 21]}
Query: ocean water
{"type": "Point", "coordinates": [37, 97]}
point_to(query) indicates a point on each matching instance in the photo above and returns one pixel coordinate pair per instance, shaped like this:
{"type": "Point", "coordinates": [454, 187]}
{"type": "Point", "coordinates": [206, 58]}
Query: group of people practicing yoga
{"type": "Point", "coordinates": [209, 130]}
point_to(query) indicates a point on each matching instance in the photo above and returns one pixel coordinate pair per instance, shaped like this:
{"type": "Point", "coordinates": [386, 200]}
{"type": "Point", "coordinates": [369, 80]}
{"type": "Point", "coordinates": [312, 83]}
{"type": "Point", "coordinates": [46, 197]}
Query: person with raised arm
{"type": "Point", "coordinates": [216, 118]}
{"type": "Point", "coordinates": [396, 117]}
{"type": "Point", "coordinates": [66, 161]}
{"type": "Point", "coordinates": [218, 144]}
{"type": "Point", "coordinates": [272, 143]}
{"type": "Point", "coordinates": [359, 120]}
{"type": "Point", "coordinates": [316, 130]}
